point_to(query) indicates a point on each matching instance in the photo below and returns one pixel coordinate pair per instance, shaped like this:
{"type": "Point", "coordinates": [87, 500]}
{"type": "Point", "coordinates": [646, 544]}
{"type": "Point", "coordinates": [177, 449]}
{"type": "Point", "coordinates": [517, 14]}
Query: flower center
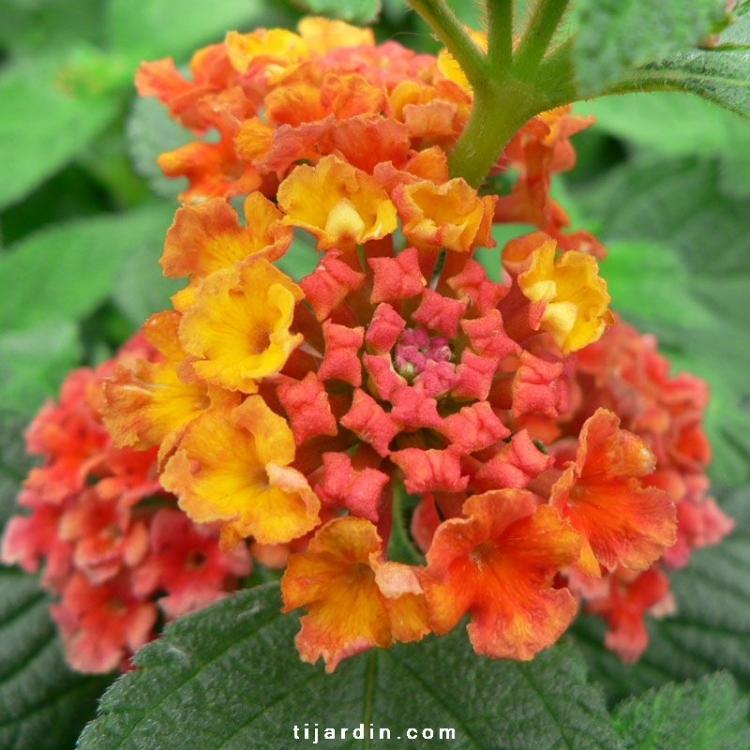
{"type": "Point", "coordinates": [416, 352]}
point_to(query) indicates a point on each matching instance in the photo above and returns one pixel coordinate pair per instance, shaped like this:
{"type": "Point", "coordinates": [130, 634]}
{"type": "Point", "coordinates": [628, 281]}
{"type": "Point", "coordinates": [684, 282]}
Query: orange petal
{"type": "Point", "coordinates": [323, 34]}
{"type": "Point", "coordinates": [499, 565]}
{"type": "Point", "coordinates": [337, 203]}
{"type": "Point", "coordinates": [450, 215]}
{"type": "Point", "coordinates": [207, 237]}
{"type": "Point", "coordinates": [238, 325]}
{"type": "Point", "coordinates": [576, 311]}
{"type": "Point", "coordinates": [274, 48]}
{"type": "Point", "coordinates": [221, 472]}
{"type": "Point", "coordinates": [150, 403]}
{"type": "Point", "coordinates": [601, 493]}
{"type": "Point", "coordinates": [335, 581]}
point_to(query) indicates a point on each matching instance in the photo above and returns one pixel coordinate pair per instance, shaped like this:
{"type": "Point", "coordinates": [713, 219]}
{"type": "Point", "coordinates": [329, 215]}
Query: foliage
{"type": "Point", "coordinates": [662, 179]}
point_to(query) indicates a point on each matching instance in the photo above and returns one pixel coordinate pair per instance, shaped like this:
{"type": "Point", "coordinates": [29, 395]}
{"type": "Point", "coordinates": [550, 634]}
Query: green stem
{"type": "Point", "coordinates": [451, 32]}
{"type": "Point", "coordinates": [537, 37]}
{"type": "Point", "coordinates": [508, 90]}
{"type": "Point", "coordinates": [500, 108]}
{"type": "Point", "coordinates": [400, 546]}
{"type": "Point", "coordinates": [500, 34]}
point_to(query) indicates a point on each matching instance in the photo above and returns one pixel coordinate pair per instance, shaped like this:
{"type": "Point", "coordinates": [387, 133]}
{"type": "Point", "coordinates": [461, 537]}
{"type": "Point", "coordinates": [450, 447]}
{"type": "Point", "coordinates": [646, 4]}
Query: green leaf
{"type": "Point", "coordinates": [649, 283]}
{"type": "Point", "coordinates": [679, 203]}
{"type": "Point", "coordinates": [709, 632]}
{"type": "Point", "coordinates": [42, 125]}
{"type": "Point", "coordinates": [57, 277]}
{"type": "Point", "coordinates": [39, 27]}
{"type": "Point", "coordinates": [151, 131]}
{"type": "Point", "coordinates": [721, 76]}
{"type": "Point", "coordinates": [142, 288]}
{"type": "Point", "coordinates": [615, 37]}
{"type": "Point", "coordinates": [68, 270]}
{"type": "Point", "coordinates": [302, 257]}
{"type": "Point", "coordinates": [147, 29]}
{"type": "Point", "coordinates": [34, 361]}
{"type": "Point", "coordinates": [693, 716]}
{"type": "Point", "coordinates": [43, 705]}
{"type": "Point", "coordinates": [737, 33]}
{"type": "Point", "coordinates": [233, 670]}
{"type": "Point", "coordinates": [355, 11]}
{"type": "Point", "coordinates": [670, 123]}
{"type": "Point", "coordinates": [679, 125]}
{"type": "Point", "coordinates": [14, 461]}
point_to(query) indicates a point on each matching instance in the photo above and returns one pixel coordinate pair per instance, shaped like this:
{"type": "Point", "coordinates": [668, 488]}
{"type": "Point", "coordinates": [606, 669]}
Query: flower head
{"type": "Point", "coordinates": [295, 414]}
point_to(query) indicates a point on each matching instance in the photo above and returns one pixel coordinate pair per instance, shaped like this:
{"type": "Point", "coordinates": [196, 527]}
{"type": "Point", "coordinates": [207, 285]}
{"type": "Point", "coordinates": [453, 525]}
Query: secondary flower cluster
{"type": "Point", "coordinates": [415, 439]}
{"type": "Point", "coordinates": [117, 552]}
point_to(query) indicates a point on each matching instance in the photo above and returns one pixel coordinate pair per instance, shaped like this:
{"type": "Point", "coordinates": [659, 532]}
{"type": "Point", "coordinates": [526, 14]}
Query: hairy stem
{"type": "Point", "coordinates": [508, 88]}
{"type": "Point", "coordinates": [500, 34]}
{"type": "Point", "coordinates": [536, 40]}
{"type": "Point", "coordinates": [451, 32]}
{"type": "Point", "coordinates": [500, 108]}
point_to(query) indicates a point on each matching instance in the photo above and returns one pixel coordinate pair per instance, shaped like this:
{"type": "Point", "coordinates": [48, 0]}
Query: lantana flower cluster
{"type": "Point", "coordinates": [415, 440]}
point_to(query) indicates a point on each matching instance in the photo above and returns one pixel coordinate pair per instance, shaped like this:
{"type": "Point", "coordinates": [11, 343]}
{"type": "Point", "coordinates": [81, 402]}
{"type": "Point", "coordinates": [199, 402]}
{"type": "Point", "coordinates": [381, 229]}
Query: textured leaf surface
{"type": "Point", "coordinates": [615, 36]}
{"type": "Point", "coordinates": [57, 277]}
{"type": "Point", "coordinates": [150, 132]}
{"type": "Point", "coordinates": [33, 362]}
{"type": "Point", "coordinates": [707, 714]}
{"type": "Point", "coordinates": [43, 705]}
{"type": "Point", "coordinates": [669, 123]}
{"type": "Point", "coordinates": [234, 671]}
{"type": "Point", "coordinates": [721, 76]}
{"type": "Point", "coordinates": [14, 462]}
{"type": "Point", "coordinates": [68, 270]}
{"type": "Point", "coordinates": [677, 125]}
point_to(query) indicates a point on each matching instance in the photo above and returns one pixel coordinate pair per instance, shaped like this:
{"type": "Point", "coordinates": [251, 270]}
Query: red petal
{"type": "Point", "coordinates": [306, 404]}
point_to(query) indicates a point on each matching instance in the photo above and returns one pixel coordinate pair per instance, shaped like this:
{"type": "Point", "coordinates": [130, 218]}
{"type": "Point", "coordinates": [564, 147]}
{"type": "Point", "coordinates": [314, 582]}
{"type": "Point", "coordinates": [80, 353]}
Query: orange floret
{"type": "Point", "coordinates": [238, 326]}
{"type": "Point", "coordinates": [150, 402]}
{"type": "Point", "coordinates": [499, 565]}
{"type": "Point", "coordinates": [354, 599]}
{"type": "Point", "coordinates": [602, 494]}
{"type": "Point", "coordinates": [576, 302]}
{"type": "Point", "coordinates": [232, 465]}
{"type": "Point", "coordinates": [276, 49]}
{"type": "Point", "coordinates": [323, 34]}
{"type": "Point", "coordinates": [451, 215]}
{"type": "Point", "coordinates": [208, 236]}
{"type": "Point", "coordinates": [340, 205]}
